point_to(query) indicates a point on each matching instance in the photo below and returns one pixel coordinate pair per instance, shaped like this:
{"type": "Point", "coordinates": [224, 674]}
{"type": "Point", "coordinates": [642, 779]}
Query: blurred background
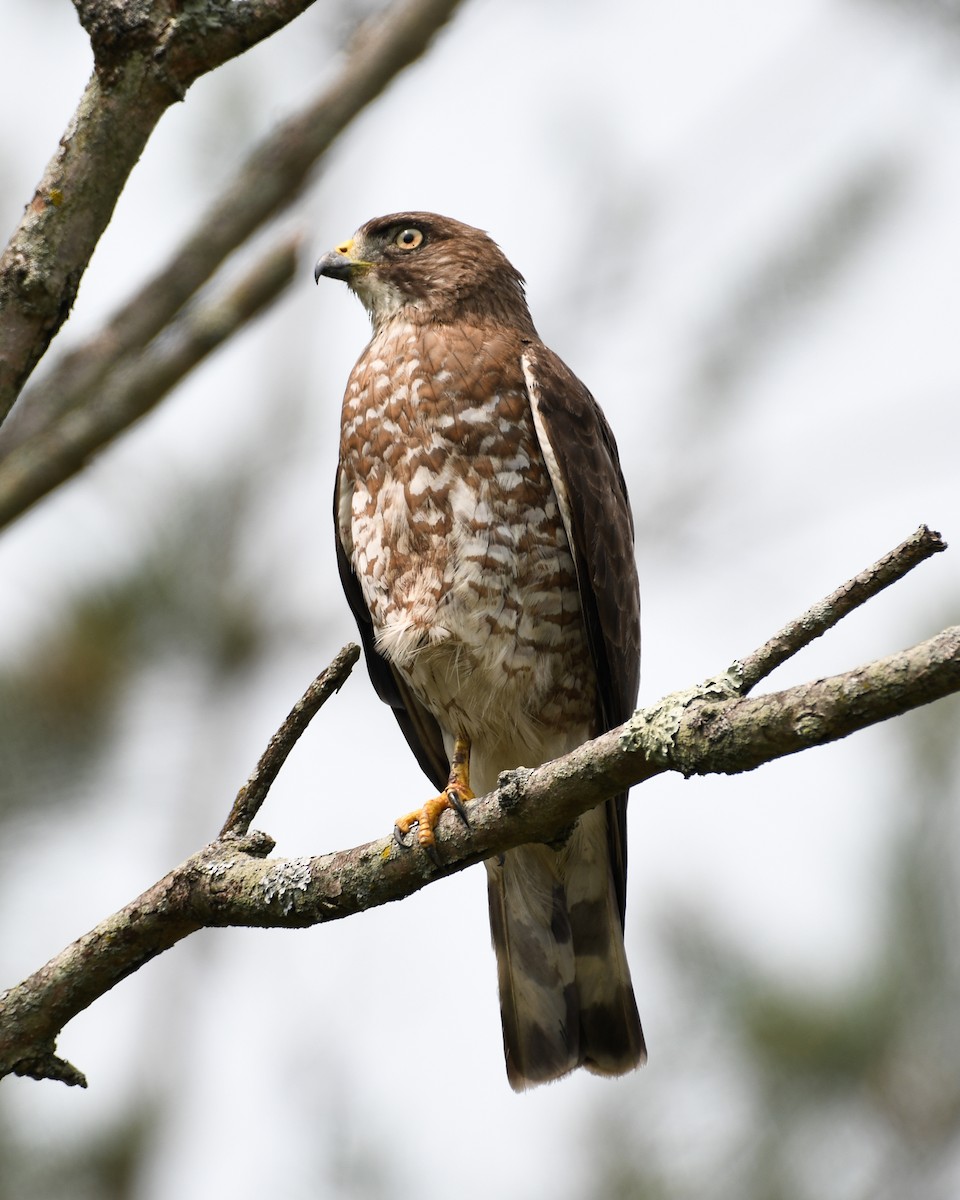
{"type": "Point", "coordinates": [739, 226]}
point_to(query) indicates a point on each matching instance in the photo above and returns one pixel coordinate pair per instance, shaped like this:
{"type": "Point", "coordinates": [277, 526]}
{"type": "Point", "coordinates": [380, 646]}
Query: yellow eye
{"type": "Point", "coordinates": [408, 239]}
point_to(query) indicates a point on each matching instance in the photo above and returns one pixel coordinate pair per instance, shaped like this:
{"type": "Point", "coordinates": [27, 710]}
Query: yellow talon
{"type": "Point", "coordinates": [455, 795]}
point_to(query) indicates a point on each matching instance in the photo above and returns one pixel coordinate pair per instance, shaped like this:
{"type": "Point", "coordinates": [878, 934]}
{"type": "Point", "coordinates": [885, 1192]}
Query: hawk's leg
{"type": "Point", "coordinates": [455, 795]}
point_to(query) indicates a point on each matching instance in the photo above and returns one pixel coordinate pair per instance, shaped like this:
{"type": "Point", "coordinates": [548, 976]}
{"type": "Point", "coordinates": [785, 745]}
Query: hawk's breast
{"type": "Point", "coordinates": [453, 529]}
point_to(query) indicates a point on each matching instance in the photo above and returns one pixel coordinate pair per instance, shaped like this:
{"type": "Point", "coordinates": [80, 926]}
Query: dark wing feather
{"type": "Point", "coordinates": [416, 722]}
{"type": "Point", "coordinates": [601, 533]}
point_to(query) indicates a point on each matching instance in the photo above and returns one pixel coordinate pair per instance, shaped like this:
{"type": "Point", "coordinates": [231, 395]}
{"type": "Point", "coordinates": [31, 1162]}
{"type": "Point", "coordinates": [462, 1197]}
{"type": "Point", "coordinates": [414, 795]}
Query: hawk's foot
{"type": "Point", "coordinates": [456, 795]}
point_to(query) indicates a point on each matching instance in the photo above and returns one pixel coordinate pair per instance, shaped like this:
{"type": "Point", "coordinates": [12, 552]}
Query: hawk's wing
{"type": "Point", "coordinates": [417, 723]}
{"type": "Point", "coordinates": [581, 455]}
{"type": "Point", "coordinates": [584, 467]}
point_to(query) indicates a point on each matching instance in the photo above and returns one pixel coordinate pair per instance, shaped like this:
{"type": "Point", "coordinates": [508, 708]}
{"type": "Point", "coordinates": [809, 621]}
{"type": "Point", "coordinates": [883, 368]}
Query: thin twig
{"type": "Point", "coordinates": [823, 616]}
{"type": "Point", "coordinates": [253, 793]}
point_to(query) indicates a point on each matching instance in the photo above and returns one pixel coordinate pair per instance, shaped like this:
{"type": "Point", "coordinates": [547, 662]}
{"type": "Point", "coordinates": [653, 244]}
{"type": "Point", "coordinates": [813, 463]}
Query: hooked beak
{"type": "Point", "coordinates": [337, 264]}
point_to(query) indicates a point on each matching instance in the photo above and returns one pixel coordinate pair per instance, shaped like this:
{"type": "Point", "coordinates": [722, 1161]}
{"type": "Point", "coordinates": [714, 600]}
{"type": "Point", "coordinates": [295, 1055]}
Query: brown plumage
{"type": "Point", "coordinates": [485, 546]}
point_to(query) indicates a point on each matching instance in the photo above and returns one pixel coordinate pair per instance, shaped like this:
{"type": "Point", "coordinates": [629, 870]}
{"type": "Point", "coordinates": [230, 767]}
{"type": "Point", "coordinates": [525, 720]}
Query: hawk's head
{"type": "Point", "coordinates": [427, 267]}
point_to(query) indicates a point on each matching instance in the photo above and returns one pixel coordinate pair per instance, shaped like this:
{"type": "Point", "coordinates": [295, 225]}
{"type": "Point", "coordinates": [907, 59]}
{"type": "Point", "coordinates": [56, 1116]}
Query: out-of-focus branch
{"type": "Point", "coordinates": [137, 384]}
{"type": "Point", "coordinates": [271, 179]}
{"type": "Point", "coordinates": [146, 56]}
{"type": "Point", "coordinates": [704, 730]}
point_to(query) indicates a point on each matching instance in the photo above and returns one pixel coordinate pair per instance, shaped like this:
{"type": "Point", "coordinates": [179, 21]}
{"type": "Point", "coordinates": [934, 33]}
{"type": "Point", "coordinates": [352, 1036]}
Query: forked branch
{"type": "Point", "coordinates": [709, 729]}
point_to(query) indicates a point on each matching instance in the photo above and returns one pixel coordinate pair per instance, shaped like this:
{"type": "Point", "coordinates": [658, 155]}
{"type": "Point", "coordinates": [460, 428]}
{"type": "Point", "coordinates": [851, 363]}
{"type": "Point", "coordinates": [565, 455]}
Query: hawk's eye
{"type": "Point", "coordinates": [408, 239]}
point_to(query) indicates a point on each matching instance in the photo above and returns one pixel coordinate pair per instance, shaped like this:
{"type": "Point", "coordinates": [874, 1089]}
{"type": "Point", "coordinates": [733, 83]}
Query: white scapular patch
{"type": "Point", "coordinates": [553, 467]}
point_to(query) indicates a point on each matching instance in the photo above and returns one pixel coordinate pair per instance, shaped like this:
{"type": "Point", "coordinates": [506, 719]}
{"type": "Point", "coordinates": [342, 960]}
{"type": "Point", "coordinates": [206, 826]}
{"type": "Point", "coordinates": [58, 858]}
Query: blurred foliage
{"type": "Point", "coordinates": [938, 15]}
{"type": "Point", "coordinates": [185, 595]}
{"type": "Point", "coordinates": [190, 595]}
{"type": "Point", "coordinates": [755, 317]}
{"type": "Point", "coordinates": [103, 1167]}
{"type": "Point", "coordinates": [797, 270]}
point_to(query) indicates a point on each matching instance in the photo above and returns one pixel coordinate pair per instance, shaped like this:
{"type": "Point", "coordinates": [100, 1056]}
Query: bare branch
{"type": "Point", "coordinates": [716, 735]}
{"type": "Point", "coordinates": [117, 27]}
{"type": "Point", "coordinates": [42, 266]}
{"type": "Point", "coordinates": [146, 58]}
{"type": "Point", "coordinates": [32, 1013]}
{"type": "Point", "coordinates": [707, 729]}
{"type": "Point", "coordinates": [40, 464]}
{"type": "Point", "coordinates": [144, 64]}
{"type": "Point", "coordinates": [253, 793]}
{"type": "Point", "coordinates": [828, 612]}
{"type": "Point", "coordinates": [154, 921]}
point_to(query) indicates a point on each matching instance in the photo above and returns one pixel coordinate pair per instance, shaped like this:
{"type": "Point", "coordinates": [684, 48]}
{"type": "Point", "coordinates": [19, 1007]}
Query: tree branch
{"type": "Point", "coordinates": [708, 729]}
{"type": "Point", "coordinates": [139, 383]}
{"type": "Point", "coordinates": [143, 64]}
{"type": "Point", "coordinates": [146, 56]}
{"type": "Point", "coordinates": [823, 616]}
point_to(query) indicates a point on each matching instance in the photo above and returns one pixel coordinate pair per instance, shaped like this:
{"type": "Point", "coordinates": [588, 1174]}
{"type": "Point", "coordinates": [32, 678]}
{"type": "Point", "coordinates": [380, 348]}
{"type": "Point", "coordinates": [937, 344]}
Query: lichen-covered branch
{"type": "Point", "coordinates": [706, 729]}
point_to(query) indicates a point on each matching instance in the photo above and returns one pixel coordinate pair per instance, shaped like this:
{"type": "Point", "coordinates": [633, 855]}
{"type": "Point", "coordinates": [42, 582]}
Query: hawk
{"type": "Point", "coordinates": [485, 544]}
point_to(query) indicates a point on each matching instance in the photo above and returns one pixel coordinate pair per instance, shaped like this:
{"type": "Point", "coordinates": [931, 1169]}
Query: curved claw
{"type": "Point", "coordinates": [455, 795]}
{"type": "Point", "coordinates": [456, 803]}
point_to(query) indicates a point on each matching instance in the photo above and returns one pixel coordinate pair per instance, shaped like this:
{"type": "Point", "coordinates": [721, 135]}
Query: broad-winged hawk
{"type": "Point", "coordinates": [485, 545]}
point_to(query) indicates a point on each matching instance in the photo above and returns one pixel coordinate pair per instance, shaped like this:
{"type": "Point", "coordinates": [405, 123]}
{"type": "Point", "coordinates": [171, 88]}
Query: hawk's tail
{"type": "Point", "coordinates": [566, 999]}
